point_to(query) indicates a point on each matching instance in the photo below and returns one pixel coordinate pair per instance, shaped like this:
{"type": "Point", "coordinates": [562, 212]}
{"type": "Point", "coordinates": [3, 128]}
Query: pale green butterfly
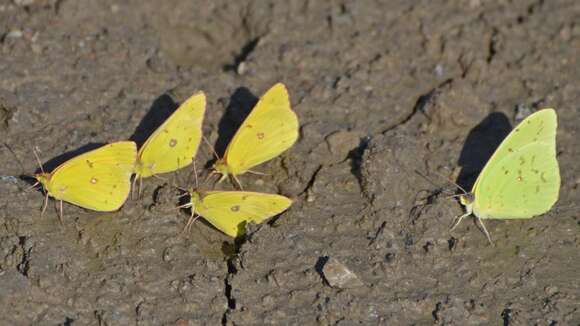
{"type": "Point", "coordinates": [521, 179]}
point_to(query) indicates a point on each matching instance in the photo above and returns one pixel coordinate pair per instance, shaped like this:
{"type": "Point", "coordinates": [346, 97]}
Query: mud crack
{"type": "Point", "coordinates": [311, 181]}
{"type": "Point", "coordinates": [24, 265]}
{"type": "Point", "coordinates": [492, 48]}
{"type": "Point", "coordinates": [228, 290]}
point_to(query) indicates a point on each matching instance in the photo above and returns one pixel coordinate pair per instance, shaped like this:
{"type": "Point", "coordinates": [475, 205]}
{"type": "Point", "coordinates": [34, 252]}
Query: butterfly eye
{"type": "Point", "coordinates": [467, 199]}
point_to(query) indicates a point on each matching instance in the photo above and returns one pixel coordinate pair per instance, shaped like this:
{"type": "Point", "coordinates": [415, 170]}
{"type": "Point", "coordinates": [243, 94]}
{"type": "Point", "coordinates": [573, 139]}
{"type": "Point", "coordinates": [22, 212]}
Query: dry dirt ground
{"type": "Point", "coordinates": [385, 90]}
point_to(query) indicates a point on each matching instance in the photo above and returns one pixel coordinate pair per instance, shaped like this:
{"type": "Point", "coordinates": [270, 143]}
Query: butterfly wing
{"type": "Point", "coordinates": [270, 129]}
{"type": "Point", "coordinates": [174, 144]}
{"type": "Point", "coordinates": [228, 211]}
{"type": "Point", "coordinates": [98, 180]}
{"type": "Point", "coordinates": [522, 178]}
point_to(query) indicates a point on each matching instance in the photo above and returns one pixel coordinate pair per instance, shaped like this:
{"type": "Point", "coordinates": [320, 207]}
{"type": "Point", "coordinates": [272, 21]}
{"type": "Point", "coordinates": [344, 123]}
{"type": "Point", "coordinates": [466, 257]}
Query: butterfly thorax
{"type": "Point", "coordinates": [467, 200]}
{"type": "Point", "coordinates": [196, 197]}
{"type": "Point", "coordinates": [44, 179]}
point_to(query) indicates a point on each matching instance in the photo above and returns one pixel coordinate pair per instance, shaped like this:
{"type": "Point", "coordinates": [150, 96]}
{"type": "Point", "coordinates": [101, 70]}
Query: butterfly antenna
{"type": "Point", "coordinates": [431, 181]}
{"type": "Point", "coordinates": [195, 174]}
{"type": "Point", "coordinates": [37, 159]}
{"type": "Point", "coordinates": [454, 196]}
{"type": "Point", "coordinates": [215, 154]}
{"type": "Point", "coordinates": [450, 181]}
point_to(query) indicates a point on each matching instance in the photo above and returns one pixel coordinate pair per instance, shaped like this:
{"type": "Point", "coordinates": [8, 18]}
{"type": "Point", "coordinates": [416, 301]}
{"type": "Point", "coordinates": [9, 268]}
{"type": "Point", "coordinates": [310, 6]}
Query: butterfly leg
{"type": "Point", "coordinates": [457, 220]}
{"type": "Point", "coordinates": [257, 173]}
{"type": "Point", "coordinates": [212, 173]}
{"type": "Point", "coordinates": [190, 221]}
{"type": "Point", "coordinates": [140, 186]}
{"type": "Point", "coordinates": [44, 205]}
{"type": "Point", "coordinates": [484, 230]}
{"type": "Point", "coordinates": [134, 183]}
{"type": "Point", "coordinates": [60, 213]}
{"type": "Point", "coordinates": [236, 181]}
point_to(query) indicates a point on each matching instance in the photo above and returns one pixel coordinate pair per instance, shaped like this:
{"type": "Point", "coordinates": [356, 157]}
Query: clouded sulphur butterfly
{"type": "Point", "coordinates": [270, 129]}
{"type": "Point", "coordinates": [174, 144]}
{"type": "Point", "coordinates": [98, 180]}
{"type": "Point", "coordinates": [229, 211]}
{"type": "Point", "coordinates": [522, 178]}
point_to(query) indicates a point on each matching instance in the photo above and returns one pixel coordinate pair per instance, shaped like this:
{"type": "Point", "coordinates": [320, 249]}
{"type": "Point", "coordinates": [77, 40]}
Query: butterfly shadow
{"type": "Point", "coordinates": [161, 108]}
{"type": "Point", "coordinates": [239, 107]}
{"type": "Point", "coordinates": [481, 143]}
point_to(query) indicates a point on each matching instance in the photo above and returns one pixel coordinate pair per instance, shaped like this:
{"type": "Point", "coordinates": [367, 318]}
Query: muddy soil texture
{"type": "Point", "coordinates": [386, 91]}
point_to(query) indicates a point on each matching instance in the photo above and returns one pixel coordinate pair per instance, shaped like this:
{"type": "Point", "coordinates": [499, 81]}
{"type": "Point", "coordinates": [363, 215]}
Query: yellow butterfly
{"type": "Point", "coordinates": [98, 180]}
{"type": "Point", "coordinates": [229, 211]}
{"type": "Point", "coordinates": [270, 129]}
{"type": "Point", "coordinates": [174, 144]}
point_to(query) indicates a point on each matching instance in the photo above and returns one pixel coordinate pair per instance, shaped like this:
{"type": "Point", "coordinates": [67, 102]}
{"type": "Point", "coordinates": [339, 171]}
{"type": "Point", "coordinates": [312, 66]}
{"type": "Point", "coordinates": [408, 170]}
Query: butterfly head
{"type": "Point", "coordinates": [221, 167]}
{"type": "Point", "coordinates": [43, 178]}
{"type": "Point", "coordinates": [196, 197]}
{"type": "Point", "coordinates": [467, 199]}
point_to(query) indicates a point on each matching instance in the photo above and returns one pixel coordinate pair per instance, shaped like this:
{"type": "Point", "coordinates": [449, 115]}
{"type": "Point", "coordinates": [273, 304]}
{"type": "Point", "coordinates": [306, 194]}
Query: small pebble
{"type": "Point", "coordinates": [242, 68]}
{"type": "Point", "coordinates": [522, 112]}
{"type": "Point", "coordinates": [339, 276]}
{"type": "Point", "coordinates": [16, 33]}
